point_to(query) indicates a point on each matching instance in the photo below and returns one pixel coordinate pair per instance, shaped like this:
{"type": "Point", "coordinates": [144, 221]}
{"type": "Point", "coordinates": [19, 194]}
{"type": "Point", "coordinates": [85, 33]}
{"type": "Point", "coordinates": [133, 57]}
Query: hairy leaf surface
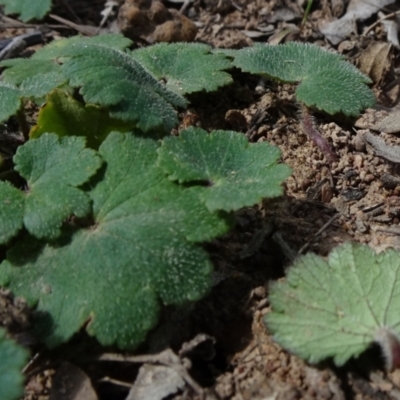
{"type": "Point", "coordinates": [238, 173]}
{"type": "Point", "coordinates": [27, 9]}
{"type": "Point", "coordinates": [140, 251]}
{"type": "Point", "coordinates": [11, 211]}
{"type": "Point", "coordinates": [20, 69]}
{"type": "Point", "coordinates": [337, 308]}
{"type": "Point", "coordinates": [185, 67]}
{"type": "Point", "coordinates": [38, 75]}
{"type": "Point", "coordinates": [113, 79]}
{"type": "Point", "coordinates": [10, 101]}
{"type": "Point", "coordinates": [53, 169]}
{"type": "Point", "coordinates": [327, 81]}
{"type": "Point", "coordinates": [13, 358]}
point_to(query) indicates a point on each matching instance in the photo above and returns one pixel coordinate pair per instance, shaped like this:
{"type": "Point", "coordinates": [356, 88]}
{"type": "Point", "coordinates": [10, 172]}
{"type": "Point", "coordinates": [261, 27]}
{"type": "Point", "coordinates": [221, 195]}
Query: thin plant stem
{"type": "Point", "coordinates": [306, 13]}
{"type": "Point", "coordinates": [307, 125]}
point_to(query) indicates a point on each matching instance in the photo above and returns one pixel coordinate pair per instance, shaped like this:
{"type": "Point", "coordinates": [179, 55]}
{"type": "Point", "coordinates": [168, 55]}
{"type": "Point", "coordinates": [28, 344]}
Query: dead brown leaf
{"type": "Point", "coordinates": [390, 124]}
{"type": "Point", "coordinates": [71, 383]}
{"type": "Point", "coordinates": [155, 382]}
{"type": "Point", "coordinates": [375, 61]}
{"type": "Point", "coordinates": [338, 30]}
{"type": "Point", "coordinates": [392, 28]}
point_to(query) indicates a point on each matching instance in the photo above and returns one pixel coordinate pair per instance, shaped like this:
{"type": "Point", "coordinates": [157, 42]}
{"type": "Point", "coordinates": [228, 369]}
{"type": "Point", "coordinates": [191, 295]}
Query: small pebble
{"type": "Point", "coordinates": [358, 160]}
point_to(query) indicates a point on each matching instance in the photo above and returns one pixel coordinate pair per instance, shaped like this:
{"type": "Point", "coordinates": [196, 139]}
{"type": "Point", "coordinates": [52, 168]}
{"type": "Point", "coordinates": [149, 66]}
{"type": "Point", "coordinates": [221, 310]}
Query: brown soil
{"type": "Point", "coordinates": [355, 198]}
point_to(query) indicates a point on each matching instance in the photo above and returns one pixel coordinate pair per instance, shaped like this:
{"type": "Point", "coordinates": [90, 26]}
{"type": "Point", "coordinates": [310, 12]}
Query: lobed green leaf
{"type": "Point", "coordinates": [327, 81]}
{"type": "Point", "coordinates": [20, 69]}
{"type": "Point", "coordinates": [10, 101]}
{"type": "Point", "coordinates": [11, 211]}
{"type": "Point", "coordinates": [38, 75]}
{"type": "Point", "coordinates": [27, 9]}
{"type": "Point", "coordinates": [237, 173]}
{"type": "Point", "coordinates": [53, 169]}
{"type": "Point", "coordinates": [13, 358]}
{"type": "Point", "coordinates": [140, 251]}
{"type": "Point", "coordinates": [337, 308]}
{"type": "Point", "coordinates": [112, 79]}
{"type": "Point", "coordinates": [185, 67]}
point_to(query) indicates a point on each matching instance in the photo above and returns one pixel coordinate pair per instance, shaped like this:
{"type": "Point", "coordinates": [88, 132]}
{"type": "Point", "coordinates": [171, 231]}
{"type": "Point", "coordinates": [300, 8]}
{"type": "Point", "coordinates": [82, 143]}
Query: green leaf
{"type": "Point", "coordinates": [337, 308]}
{"type": "Point", "coordinates": [38, 86]}
{"type": "Point", "coordinates": [327, 81]}
{"type": "Point", "coordinates": [238, 173]}
{"type": "Point", "coordinates": [19, 69]}
{"type": "Point", "coordinates": [13, 358]}
{"type": "Point", "coordinates": [41, 73]}
{"type": "Point", "coordinates": [35, 78]}
{"type": "Point", "coordinates": [111, 276]}
{"type": "Point", "coordinates": [65, 116]}
{"type": "Point", "coordinates": [111, 78]}
{"type": "Point", "coordinates": [10, 101]}
{"type": "Point", "coordinates": [185, 67]}
{"type": "Point", "coordinates": [56, 49]}
{"type": "Point", "coordinates": [53, 169]}
{"type": "Point", "coordinates": [11, 211]}
{"type": "Point", "coordinates": [27, 9]}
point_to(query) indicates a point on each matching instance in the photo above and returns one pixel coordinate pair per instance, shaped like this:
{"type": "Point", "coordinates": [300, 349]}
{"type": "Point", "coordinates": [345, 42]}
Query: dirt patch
{"type": "Point", "coordinates": [354, 198]}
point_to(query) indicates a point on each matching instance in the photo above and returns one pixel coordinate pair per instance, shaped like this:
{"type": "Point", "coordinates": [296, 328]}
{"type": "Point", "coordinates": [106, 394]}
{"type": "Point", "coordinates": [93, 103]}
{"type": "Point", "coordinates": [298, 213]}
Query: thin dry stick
{"type": "Point", "coordinates": [301, 251]}
{"type": "Point", "coordinates": [166, 357]}
{"type": "Point", "coordinates": [388, 16]}
{"type": "Point", "coordinates": [87, 30]}
{"type": "Point", "coordinates": [116, 382]}
{"type": "Point", "coordinates": [185, 5]}
{"type": "Point", "coordinates": [12, 26]}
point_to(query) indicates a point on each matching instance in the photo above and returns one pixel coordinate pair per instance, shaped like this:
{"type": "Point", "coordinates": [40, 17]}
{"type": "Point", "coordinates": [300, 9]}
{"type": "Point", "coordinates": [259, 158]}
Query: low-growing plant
{"type": "Point", "coordinates": [113, 79]}
{"type": "Point", "coordinates": [109, 222]}
{"type": "Point", "coordinates": [338, 307]}
{"type": "Point", "coordinates": [13, 358]}
{"type": "Point", "coordinates": [27, 9]}
{"type": "Point", "coordinates": [326, 81]}
{"type": "Point", "coordinates": [138, 245]}
{"type": "Point", "coordinates": [120, 228]}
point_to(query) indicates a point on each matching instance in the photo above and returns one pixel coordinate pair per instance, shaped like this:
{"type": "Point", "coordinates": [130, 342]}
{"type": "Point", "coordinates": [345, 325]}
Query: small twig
{"type": "Point", "coordinates": [116, 382]}
{"type": "Point", "coordinates": [31, 362]}
{"type": "Point", "coordinates": [166, 357]}
{"type": "Point", "coordinates": [185, 5]}
{"type": "Point", "coordinates": [11, 25]}
{"type": "Point", "coordinates": [322, 229]}
{"type": "Point", "coordinates": [246, 353]}
{"type": "Point", "coordinates": [84, 29]}
{"type": "Point", "coordinates": [236, 6]}
{"type": "Point", "coordinates": [66, 5]}
{"type": "Point", "coordinates": [388, 16]}
{"type": "Point", "coordinates": [289, 253]}
{"type": "Point", "coordinates": [257, 240]}
{"type": "Point", "coordinates": [391, 85]}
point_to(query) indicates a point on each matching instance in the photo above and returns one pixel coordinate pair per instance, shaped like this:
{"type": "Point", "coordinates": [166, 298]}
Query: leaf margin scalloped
{"type": "Point", "coordinates": [296, 62]}
{"type": "Point", "coordinates": [290, 330]}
